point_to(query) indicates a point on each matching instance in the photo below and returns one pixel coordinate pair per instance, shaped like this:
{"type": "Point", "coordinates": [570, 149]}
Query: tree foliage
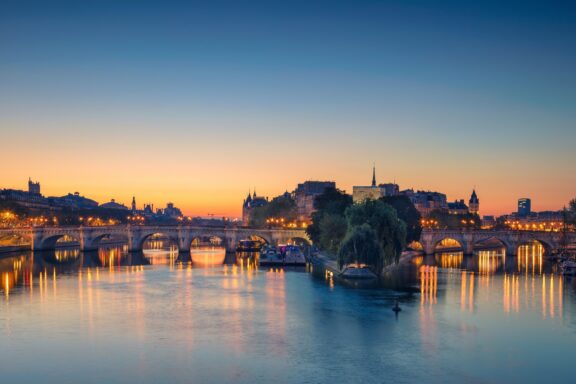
{"type": "Point", "coordinates": [282, 206]}
{"type": "Point", "coordinates": [333, 228]}
{"type": "Point", "coordinates": [390, 231]}
{"type": "Point", "coordinates": [360, 246]}
{"type": "Point", "coordinates": [332, 202]}
{"type": "Point", "coordinates": [408, 213]}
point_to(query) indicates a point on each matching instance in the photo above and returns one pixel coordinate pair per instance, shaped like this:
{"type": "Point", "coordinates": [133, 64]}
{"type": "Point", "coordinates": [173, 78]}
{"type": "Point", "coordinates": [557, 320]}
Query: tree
{"type": "Point", "coordinates": [360, 246]}
{"type": "Point", "coordinates": [332, 202]}
{"type": "Point", "coordinates": [572, 212]}
{"type": "Point", "coordinates": [281, 206]}
{"type": "Point", "coordinates": [408, 213]}
{"type": "Point", "coordinates": [333, 228]}
{"type": "Point", "coordinates": [389, 229]}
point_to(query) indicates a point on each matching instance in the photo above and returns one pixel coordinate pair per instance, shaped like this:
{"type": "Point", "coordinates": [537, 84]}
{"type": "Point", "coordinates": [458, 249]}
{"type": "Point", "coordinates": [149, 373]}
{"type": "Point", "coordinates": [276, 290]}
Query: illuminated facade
{"type": "Point", "coordinates": [372, 192]}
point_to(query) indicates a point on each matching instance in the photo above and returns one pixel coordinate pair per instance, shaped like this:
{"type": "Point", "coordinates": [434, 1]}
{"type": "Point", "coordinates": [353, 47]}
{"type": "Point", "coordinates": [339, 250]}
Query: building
{"type": "Point", "coordinates": [112, 204]}
{"type": "Point", "coordinates": [426, 201]}
{"type": "Point", "coordinates": [134, 204]}
{"type": "Point", "coordinates": [249, 204]}
{"type": "Point", "coordinates": [524, 207]}
{"type": "Point", "coordinates": [305, 195]}
{"type": "Point", "coordinates": [33, 187]}
{"type": "Point", "coordinates": [457, 208]}
{"type": "Point", "coordinates": [171, 211]}
{"type": "Point", "coordinates": [74, 201]}
{"type": "Point", "coordinates": [390, 189]}
{"type": "Point", "coordinates": [25, 199]}
{"type": "Point", "coordinates": [474, 203]}
{"type": "Point", "coordinates": [373, 192]}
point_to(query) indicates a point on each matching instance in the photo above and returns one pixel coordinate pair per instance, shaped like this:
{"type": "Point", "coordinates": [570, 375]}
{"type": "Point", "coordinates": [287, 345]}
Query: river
{"type": "Point", "coordinates": [111, 317]}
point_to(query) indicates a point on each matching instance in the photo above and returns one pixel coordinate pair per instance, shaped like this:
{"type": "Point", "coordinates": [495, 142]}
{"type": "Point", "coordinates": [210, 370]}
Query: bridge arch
{"type": "Point", "coordinates": [52, 241]}
{"type": "Point", "coordinates": [448, 244]}
{"type": "Point", "coordinates": [546, 247]}
{"type": "Point", "coordinates": [161, 239]}
{"type": "Point", "coordinates": [96, 241]}
{"type": "Point", "coordinates": [495, 242]}
{"type": "Point", "coordinates": [416, 246]}
{"type": "Point", "coordinates": [207, 240]}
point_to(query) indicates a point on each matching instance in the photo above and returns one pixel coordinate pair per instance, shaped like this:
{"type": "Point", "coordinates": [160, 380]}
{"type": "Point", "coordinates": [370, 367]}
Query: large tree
{"type": "Point", "coordinates": [389, 229]}
{"type": "Point", "coordinates": [333, 202]}
{"type": "Point", "coordinates": [333, 228]}
{"type": "Point", "coordinates": [360, 246]}
{"type": "Point", "coordinates": [408, 213]}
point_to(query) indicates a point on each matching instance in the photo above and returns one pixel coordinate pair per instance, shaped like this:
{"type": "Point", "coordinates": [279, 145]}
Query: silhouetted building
{"type": "Point", "coordinates": [33, 187]}
{"type": "Point", "coordinates": [474, 203]}
{"type": "Point", "coordinates": [249, 204]}
{"type": "Point", "coordinates": [112, 204]}
{"type": "Point", "coordinates": [390, 189]}
{"type": "Point", "coordinates": [306, 193]}
{"type": "Point", "coordinates": [524, 207]}
{"type": "Point", "coordinates": [426, 201]}
{"type": "Point", "coordinates": [171, 211]}
{"type": "Point", "coordinates": [457, 208]}
{"type": "Point", "coordinates": [74, 201]}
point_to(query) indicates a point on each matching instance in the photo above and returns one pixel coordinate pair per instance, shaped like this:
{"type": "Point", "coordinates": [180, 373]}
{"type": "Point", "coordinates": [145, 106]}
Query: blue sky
{"type": "Point", "coordinates": [441, 95]}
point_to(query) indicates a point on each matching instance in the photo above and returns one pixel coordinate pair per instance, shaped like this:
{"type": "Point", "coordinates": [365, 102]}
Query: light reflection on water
{"type": "Point", "coordinates": [112, 316]}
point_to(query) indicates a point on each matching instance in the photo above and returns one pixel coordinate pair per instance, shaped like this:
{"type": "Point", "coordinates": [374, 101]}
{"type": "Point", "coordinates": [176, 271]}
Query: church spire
{"type": "Point", "coordinates": [374, 175]}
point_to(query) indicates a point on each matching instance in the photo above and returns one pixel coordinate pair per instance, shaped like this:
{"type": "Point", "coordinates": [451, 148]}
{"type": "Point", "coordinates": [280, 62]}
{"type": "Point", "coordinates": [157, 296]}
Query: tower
{"type": "Point", "coordinates": [133, 204]}
{"type": "Point", "coordinates": [474, 203]}
{"type": "Point", "coordinates": [374, 176]}
{"type": "Point", "coordinates": [33, 188]}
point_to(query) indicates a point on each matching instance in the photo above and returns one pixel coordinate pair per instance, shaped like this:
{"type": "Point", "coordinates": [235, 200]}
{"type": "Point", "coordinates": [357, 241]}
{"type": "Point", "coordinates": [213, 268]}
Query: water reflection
{"type": "Point", "coordinates": [525, 282]}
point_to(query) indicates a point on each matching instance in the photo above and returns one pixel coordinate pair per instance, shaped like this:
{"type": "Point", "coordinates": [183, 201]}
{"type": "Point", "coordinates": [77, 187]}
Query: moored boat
{"type": "Point", "coordinates": [357, 271]}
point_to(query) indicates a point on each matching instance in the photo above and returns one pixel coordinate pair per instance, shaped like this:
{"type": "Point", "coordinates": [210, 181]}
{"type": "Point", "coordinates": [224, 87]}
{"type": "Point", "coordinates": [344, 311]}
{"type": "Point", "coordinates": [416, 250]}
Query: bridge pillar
{"type": "Point", "coordinates": [86, 243]}
{"type": "Point", "coordinates": [134, 239]}
{"type": "Point", "coordinates": [36, 239]}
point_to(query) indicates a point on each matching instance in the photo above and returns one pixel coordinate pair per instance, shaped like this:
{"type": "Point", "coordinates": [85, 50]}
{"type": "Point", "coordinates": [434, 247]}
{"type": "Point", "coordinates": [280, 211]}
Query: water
{"type": "Point", "coordinates": [110, 317]}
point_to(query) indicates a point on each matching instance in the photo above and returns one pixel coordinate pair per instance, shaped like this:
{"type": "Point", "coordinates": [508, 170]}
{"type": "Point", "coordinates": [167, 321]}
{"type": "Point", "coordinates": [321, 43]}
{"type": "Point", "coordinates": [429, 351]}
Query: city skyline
{"type": "Point", "coordinates": [200, 102]}
{"type": "Point", "coordinates": [236, 206]}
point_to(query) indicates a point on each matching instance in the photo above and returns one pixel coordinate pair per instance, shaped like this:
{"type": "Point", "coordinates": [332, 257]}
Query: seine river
{"type": "Point", "coordinates": [108, 317]}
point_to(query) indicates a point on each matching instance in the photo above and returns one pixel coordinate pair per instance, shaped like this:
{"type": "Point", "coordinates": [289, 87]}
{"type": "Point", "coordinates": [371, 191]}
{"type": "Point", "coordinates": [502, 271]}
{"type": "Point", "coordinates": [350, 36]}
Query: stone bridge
{"type": "Point", "coordinates": [89, 238]}
{"type": "Point", "coordinates": [470, 239]}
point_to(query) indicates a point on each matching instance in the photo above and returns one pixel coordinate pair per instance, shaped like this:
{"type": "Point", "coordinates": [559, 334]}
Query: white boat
{"type": "Point", "coordinates": [294, 256]}
{"type": "Point", "coordinates": [270, 256]}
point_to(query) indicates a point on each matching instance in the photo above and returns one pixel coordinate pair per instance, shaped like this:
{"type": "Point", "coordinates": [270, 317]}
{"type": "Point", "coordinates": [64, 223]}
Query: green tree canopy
{"type": "Point", "coordinates": [389, 229]}
{"type": "Point", "coordinates": [333, 228]}
{"type": "Point", "coordinates": [332, 202]}
{"type": "Point", "coordinates": [360, 246]}
{"type": "Point", "coordinates": [408, 213]}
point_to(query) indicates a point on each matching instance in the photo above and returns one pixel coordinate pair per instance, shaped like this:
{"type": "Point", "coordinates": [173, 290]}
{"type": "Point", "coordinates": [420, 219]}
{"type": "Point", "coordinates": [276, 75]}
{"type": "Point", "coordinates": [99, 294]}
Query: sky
{"type": "Point", "coordinates": [199, 102]}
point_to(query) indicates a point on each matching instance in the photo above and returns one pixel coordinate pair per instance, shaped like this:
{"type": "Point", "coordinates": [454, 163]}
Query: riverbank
{"type": "Point", "coordinates": [327, 263]}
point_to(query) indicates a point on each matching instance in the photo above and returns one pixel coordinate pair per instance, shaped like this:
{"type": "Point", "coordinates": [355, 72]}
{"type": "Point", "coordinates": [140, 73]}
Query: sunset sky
{"type": "Point", "coordinates": [198, 102]}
